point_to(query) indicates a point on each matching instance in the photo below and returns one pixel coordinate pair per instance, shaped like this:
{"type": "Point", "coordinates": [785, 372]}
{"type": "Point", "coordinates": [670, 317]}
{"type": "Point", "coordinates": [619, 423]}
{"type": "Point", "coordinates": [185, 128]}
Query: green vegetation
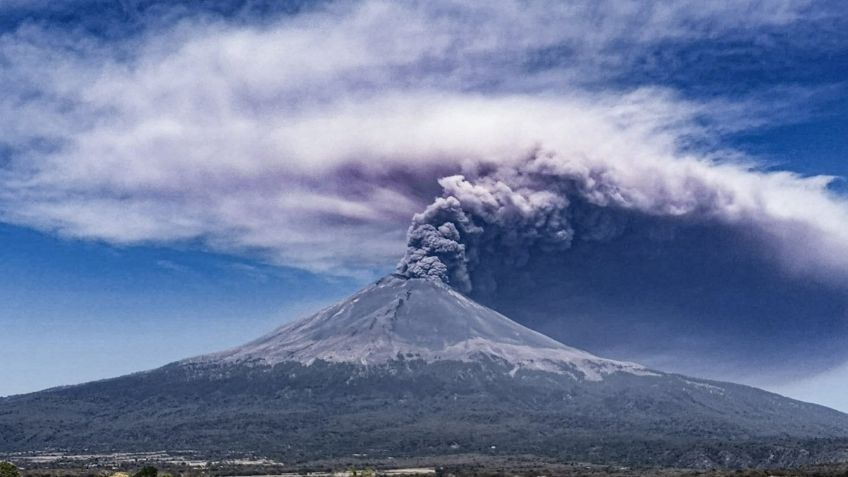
{"type": "Point", "coordinates": [147, 471]}
{"type": "Point", "coordinates": [367, 472]}
{"type": "Point", "coordinates": [7, 469]}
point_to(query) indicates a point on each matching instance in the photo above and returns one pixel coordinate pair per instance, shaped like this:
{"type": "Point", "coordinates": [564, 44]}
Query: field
{"type": "Point", "coordinates": [185, 464]}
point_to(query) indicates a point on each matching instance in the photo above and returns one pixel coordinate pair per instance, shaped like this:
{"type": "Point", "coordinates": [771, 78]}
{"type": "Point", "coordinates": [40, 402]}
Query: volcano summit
{"type": "Point", "coordinates": [409, 366]}
{"type": "Point", "coordinates": [416, 319]}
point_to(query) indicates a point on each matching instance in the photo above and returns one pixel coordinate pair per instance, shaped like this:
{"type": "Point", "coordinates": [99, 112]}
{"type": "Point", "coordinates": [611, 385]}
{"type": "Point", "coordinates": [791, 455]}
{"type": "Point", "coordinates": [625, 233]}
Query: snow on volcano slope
{"type": "Point", "coordinates": [417, 319]}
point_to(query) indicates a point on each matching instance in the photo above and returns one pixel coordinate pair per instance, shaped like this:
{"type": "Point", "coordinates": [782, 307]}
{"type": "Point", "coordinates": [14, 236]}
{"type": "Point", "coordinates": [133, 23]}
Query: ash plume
{"type": "Point", "coordinates": [672, 257]}
{"type": "Point", "coordinates": [505, 215]}
{"type": "Point", "coordinates": [492, 221]}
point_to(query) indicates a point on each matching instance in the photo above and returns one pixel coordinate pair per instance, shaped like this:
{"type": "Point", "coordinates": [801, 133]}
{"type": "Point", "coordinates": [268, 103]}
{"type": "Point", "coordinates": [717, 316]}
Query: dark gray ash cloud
{"type": "Point", "coordinates": [446, 241]}
{"type": "Point", "coordinates": [547, 201]}
{"type": "Point", "coordinates": [667, 266]}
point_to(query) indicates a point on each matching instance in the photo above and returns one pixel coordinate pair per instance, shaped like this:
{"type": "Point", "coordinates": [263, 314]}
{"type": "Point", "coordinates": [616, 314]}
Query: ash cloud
{"type": "Point", "coordinates": [693, 267]}
{"type": "Point", "coordinates": [446, 241]}
{"type": "Point", "coordinates": [545, 202]}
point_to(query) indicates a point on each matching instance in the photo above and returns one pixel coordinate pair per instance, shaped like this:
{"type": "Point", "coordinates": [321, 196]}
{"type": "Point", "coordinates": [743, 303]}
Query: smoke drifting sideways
{"type": "Point", "coordinates": [678, 270]}
{"type": "Point", "coordinates": [446, 243]}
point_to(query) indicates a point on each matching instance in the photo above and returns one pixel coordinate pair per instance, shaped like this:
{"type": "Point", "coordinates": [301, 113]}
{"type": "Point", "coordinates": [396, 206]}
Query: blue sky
{"type": "Point", "coordinates": [76, 311]}
{"type": "Point", "coordinates": [176, 180]}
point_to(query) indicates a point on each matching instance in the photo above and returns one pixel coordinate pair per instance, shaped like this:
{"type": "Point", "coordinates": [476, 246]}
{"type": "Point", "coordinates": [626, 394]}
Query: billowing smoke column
{"type": "Point", "coordinates": [495, 219]}
{"type": "Point", "coordinates": [675, 257]}
{"type": "Point", "coordinates": [505, 215]}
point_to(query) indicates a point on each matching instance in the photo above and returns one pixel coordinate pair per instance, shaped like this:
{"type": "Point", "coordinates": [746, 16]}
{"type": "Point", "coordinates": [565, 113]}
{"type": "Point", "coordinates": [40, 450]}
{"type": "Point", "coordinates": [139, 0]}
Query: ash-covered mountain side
{"type": "Point", "coordinates": [417, 319]}
{"type": "Point", "coordinates": [410, 367]}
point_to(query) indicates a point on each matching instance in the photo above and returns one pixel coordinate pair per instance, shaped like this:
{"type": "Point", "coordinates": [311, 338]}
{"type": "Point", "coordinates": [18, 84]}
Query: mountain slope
{"type": "Point", "coordinates": [417, 319]}
{"type": "Point", "coordinates": [410, 367]}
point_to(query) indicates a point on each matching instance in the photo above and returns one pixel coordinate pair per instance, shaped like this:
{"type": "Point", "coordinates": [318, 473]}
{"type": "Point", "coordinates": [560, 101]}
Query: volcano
{"type": "Point", "coordinates": [415, 319]}
{"type": "Point", "coordinates": [411, 367]}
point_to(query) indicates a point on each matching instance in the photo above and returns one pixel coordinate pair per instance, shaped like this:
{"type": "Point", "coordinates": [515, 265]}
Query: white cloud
{"type": "Point", "coordinates": [308, 140]}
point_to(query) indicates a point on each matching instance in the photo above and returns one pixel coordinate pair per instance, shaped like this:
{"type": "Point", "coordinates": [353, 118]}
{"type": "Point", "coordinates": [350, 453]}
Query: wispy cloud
{"type": "Point", "coordinates": [314, 138]}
